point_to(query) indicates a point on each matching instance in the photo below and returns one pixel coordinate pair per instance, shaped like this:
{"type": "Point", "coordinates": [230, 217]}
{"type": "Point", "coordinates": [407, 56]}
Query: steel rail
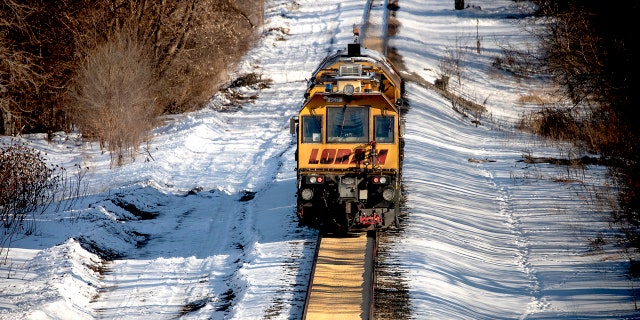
{"type": "Point", "coordinates": [366, 35]}
{"type": "Point", "coordinates": [310, 282]}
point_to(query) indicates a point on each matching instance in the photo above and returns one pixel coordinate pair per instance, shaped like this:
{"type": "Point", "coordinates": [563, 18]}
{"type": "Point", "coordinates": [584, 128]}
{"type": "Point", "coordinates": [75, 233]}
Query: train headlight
{"type": "Point", "coordinates": [306, 194]}
{"type": "Point", "coordinates": [389, 193]}
{"type": "Point", "coordinates": [349, 89]}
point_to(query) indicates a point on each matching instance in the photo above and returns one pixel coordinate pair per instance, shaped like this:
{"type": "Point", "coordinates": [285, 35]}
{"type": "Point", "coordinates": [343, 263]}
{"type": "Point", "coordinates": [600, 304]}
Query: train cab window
{"type": "Point", "coordinates": [348, 124]}
{"type": "Point", "coordinates": [312, 129]}
{"type": "Point", "coordinates": [384, 129]}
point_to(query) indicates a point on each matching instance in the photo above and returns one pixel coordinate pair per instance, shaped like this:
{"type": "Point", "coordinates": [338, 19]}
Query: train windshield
{"type": "Point", "coordinates": [384, 126]}
{"type": "Point", "coordinates": [348, 124]}
{"type": "Point", "coordinates": [312, 129]}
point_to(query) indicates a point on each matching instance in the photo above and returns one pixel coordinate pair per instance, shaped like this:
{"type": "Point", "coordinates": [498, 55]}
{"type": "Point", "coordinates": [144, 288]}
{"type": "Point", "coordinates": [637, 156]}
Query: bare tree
{"type": "Point", "coordinates": [20, 74]}
{"type": "Point", "coordinates": [193, 43]}
{"type": "Point", "coordinates": [451, 64]}
{"type": "Point", "coordinates": [217, 33]}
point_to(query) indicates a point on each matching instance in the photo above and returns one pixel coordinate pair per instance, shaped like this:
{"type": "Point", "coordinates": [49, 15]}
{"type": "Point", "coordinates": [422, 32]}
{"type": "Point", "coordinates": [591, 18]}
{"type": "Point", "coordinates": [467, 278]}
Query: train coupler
{"type": "Point", "coordinates": [370, 220]}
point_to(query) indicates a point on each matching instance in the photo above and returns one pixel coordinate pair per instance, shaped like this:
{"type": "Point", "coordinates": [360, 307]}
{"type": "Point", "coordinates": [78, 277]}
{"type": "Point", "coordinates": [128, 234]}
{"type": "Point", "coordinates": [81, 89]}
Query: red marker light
{"type": "Point", "coordinates": [376, 179]}
{"type": "Point", "coordinates": [319, 180]}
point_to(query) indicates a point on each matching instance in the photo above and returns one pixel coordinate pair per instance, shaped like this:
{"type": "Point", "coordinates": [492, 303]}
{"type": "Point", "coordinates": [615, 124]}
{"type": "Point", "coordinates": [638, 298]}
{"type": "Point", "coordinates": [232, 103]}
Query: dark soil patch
{"type": "Point", "coordinates": [93, 247]}
{"type": "Point", "coordinates": [241, 90]}
{"type": "Point", "coordinates": [194, 306]}
{"type": "Point", "coordinates": [247, 196]}
{"type": "Point", "coordinates": [393, 5]}
{"type": "Point", "coordinates": [585, 160]}
{"type": "Point", "coordinates": [194, 191]}
{"type": "Point", "coordinates": [227, 301]}
{"type": "Point", "coordinates": [250, 79]}
{"type": "Point", "coordinates": [131, 208]}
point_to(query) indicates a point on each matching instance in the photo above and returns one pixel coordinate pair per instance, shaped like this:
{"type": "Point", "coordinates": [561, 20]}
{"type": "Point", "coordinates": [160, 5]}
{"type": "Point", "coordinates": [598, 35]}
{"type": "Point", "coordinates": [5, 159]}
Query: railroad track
{"type": "Point", "coordinates": [374, 25]}
{"type": "Point", "coordinates": [343, 280]}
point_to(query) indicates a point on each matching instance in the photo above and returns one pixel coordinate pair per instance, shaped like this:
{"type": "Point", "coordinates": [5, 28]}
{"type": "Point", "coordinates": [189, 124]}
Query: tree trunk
{"type": "Point", "coordinates": [6, 122]}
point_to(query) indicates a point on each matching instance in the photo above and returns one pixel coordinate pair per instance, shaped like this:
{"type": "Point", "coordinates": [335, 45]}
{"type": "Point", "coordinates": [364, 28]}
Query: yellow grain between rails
{"type": "Point", "coordinates": [342, 283]}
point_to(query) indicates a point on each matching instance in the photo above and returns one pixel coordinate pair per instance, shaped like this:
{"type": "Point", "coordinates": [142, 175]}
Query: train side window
{"type": "Point", "coordinates": [384, 129]}
{"type": "Point", "coordinates": [348, 124]}
{"type": "Point", "coordinates": [312, 129]}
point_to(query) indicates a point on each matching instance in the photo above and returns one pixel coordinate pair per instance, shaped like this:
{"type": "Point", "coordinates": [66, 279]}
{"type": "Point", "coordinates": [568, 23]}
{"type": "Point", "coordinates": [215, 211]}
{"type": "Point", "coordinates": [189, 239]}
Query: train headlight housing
{"type": "Point", "coordinates": [315, 179]}
{"type": "Point", "coordinates": [380, 180]}
{"type": "Point", "coordinates": [349, 89]}
{"type": "Point", "coordinates": [306, 194]}
{"type": "Point", "coordinates": [389, 193]}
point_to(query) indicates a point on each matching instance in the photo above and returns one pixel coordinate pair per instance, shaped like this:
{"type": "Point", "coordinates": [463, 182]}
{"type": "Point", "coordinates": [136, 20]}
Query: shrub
{"type": "Point", "coordinates": [27, 186]}
{"type": "Point", "coordinates": [555, 123]}
{"type": "Point", "coordinates": [113, 98]}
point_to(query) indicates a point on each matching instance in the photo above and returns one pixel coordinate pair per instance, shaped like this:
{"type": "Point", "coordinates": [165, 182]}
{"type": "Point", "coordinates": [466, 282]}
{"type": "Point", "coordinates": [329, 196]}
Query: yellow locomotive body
{"type": "Point", "coordinates": [349, 142]}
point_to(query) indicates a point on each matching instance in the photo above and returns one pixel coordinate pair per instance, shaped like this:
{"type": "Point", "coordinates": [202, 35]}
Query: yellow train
{"type": "Point", "coordinates": [349, 143]}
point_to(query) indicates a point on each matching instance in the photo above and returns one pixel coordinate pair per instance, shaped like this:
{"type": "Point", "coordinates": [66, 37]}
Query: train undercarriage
{"type": "Point", "coordinates": [351, 201]}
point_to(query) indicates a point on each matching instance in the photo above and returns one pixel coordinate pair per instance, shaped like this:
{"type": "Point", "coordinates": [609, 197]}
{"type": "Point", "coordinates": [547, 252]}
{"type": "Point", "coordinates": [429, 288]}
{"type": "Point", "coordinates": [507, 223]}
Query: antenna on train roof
{"type": "Point", "coordinates": [353, 49]}
{"type": "Point", "coordinates": [356, 33]}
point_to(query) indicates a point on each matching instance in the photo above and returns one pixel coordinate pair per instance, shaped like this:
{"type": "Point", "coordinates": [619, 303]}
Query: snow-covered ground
{"type": "Point", "coordinates": [202, 224]}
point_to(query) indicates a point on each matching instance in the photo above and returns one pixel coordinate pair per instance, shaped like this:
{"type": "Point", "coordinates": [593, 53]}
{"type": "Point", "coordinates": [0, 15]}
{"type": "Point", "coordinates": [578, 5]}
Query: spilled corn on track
{"type": "Point", "coordinates": [341, 285]}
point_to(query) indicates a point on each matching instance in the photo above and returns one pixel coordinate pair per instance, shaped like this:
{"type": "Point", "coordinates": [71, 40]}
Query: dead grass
{"type": "Point", "coordinates": [536, 98]}
{"type": "Point", "coordinates": [554, 123]}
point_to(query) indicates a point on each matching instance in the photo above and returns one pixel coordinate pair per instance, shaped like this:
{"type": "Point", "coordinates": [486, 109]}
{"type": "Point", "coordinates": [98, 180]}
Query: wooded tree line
{"type": "Point", "coordinates": [588, 46]}
{"type": "Point", "coordinates": [109, 67]}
